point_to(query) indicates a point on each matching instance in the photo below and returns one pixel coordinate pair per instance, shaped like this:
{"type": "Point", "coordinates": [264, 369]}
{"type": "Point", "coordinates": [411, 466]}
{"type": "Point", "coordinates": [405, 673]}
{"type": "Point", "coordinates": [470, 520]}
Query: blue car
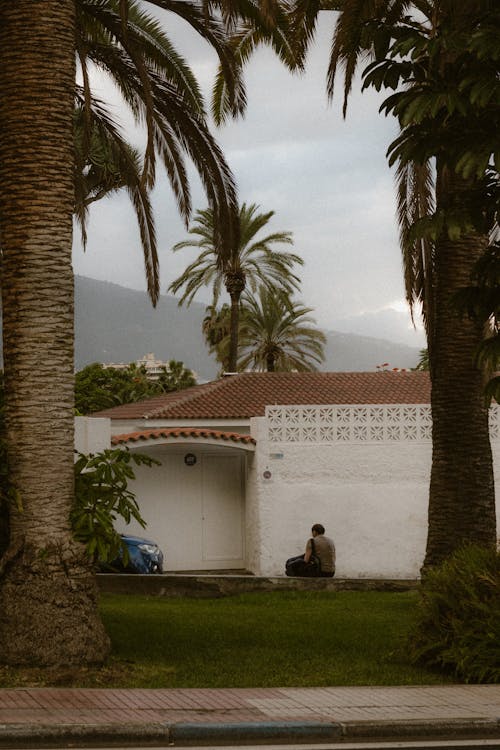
{"type": "Point", "coordinates": [144, 556]}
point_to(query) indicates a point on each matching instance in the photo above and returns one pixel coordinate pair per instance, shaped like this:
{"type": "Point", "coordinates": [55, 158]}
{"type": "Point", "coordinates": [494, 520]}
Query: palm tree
{"type": "Point", "coordinates": [444, 233]}
{"type": "Point", "coordinates": [48, 598]}
{"type": "Point", "coordinates": [216, 328]}
{"type": "Point", "coordinates": [436, 103]}
{"type": "Point", "coordinates": [423, 362]}
{"type": "Point", "coordinates": [130, 46]}
{"type": "Point", "coordinates": [162, 93]}
{"type": "Point", "coordinates": [252, 261]}
{"type": "Point", "coordinates": [277, 334]}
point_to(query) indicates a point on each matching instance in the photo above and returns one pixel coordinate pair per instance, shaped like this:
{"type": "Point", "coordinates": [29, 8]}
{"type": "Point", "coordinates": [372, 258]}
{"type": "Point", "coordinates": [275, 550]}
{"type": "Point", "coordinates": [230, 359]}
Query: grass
{"type": "Point", "coordinates": [252, 640]}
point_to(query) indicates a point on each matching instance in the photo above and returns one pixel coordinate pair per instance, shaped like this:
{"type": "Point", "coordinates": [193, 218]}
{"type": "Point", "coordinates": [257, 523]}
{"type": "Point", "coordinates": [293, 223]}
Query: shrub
{"type": "Point", "coordinates": [102, 496]}
{"type": "Point", "coordinates": [458, 620]}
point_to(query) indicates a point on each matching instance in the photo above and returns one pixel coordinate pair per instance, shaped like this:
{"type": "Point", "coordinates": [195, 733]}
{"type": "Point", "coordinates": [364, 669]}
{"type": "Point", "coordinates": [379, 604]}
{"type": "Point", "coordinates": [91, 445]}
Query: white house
{"type": "Point", "coordinates": [249, 462]}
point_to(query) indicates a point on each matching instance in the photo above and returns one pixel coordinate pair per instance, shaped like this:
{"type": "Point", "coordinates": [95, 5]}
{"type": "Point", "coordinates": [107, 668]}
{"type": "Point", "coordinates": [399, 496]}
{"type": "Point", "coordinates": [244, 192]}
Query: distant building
{"type": "Point", "coordinates": [152, 365]}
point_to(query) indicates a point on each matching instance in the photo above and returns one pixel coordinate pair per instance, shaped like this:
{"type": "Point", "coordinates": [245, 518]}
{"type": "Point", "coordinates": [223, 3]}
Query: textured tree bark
{"type": "Point", "coordinates": [235, 285]}
{"type": "Point", "coordinates": [48, 598]}
{"type": "Point", "coordinates": [462, 496]}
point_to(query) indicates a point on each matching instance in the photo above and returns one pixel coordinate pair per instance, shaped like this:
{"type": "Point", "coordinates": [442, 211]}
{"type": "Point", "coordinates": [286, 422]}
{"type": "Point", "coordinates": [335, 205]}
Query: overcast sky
{"type": "Point", "coordinates": [327, 180]}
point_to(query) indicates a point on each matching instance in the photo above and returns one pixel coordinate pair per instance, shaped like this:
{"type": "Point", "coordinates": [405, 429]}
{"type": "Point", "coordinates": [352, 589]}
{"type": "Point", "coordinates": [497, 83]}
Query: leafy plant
{"type": "Point", "coordinates": [99, 387]}
{"type": "Point", "coordinates": [101, 496]}
{"type": "Point", "coordinates": [458, 625]}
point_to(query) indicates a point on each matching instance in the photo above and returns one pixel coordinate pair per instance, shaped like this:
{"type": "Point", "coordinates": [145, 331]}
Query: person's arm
{"type": "Point", "coordinates": [308, 552]}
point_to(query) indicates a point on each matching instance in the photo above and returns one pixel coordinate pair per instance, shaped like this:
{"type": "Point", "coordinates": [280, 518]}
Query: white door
{"type": "Point", "coordinates": [222, 511]}
{"type": "Point", "coordinates": [194, 511]}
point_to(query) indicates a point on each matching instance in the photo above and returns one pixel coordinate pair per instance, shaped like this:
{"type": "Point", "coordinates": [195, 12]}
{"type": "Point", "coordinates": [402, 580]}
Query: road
{"type": "Point", "coordinates": [486, 744]}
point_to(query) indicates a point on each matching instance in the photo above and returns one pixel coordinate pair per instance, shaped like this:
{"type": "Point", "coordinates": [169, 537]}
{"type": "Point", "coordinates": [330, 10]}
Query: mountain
{"type": "Point", "coordinates": [396, 325]}
{"type": "Point", "coordinates": [115, 324]}
{"type": "Point", "coordinates": [349, 352]}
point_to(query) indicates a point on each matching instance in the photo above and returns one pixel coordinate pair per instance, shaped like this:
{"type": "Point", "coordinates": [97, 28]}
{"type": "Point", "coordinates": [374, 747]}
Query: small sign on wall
{"type": "Point", "coordinates": [190, 459]}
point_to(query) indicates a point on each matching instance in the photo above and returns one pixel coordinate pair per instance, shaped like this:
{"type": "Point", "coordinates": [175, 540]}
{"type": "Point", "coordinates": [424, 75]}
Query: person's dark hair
{"type": "Point", "coordinates": [318, 528]}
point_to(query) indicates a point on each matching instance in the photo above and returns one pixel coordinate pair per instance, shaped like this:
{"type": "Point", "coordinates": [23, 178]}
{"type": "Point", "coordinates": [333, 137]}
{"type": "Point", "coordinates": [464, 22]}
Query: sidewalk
{"type": "Point", "coordinates": [53, 716]}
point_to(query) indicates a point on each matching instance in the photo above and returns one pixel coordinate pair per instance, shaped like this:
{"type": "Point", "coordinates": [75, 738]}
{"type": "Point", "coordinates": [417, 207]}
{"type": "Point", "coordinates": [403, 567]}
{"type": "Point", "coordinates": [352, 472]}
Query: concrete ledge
{"type": "Point", "coordinates": [214, 586]}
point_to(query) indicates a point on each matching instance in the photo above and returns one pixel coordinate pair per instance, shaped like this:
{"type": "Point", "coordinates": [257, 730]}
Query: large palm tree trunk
{"type": "Point", "coordinates": [48, 606]}
{"type": "Point", "coordinates": [462, 497]}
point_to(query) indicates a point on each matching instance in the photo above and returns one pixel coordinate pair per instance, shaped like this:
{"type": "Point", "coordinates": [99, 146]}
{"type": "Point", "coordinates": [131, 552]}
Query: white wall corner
{"type": "Point", "coordinates": [92, 434]}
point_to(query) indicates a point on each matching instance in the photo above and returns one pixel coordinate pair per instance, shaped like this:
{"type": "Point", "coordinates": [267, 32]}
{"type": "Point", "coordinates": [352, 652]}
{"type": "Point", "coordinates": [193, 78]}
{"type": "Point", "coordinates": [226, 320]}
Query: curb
{"type": "Point", "coordinates": [82, 735]}
{"type": "Point", "coordinates": [269, 732]}
{"type": "Point", "coordinates": [247, 733]}
{"type": "Point", "coordinates": [408, 729]}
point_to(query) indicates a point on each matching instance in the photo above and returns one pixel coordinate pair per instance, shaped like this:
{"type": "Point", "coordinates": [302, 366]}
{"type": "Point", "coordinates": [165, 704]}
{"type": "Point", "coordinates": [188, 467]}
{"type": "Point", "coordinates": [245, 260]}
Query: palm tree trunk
{"type": "Point", "coordinates": [234, 332]}
{"type": "Point", "coordinates": [235, 285]}
{"type": "Point", "coordinates": [48, 597]}
{"type": "Point", "coordinates": [462, 497]}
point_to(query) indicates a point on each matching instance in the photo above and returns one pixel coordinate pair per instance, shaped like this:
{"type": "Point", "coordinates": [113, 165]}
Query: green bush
{"type": "Point", "coordinates": [102, 496]}
{"type": "Point", "coordinates": [458, 620]}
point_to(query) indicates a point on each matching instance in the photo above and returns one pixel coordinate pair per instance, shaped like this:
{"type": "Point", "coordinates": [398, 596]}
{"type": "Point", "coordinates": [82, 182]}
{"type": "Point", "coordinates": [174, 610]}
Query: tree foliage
{"type": "Point", "coordinates": [423, 361]}
{"type": "Point", "coordinates": [102, 496]}
{"type": "Point", "coordinates": [98, 387]}
{"type": "Point", "coordinates": [125, 42]}
{"type": "Point", "coordinates": [216, 328]}
{"type": "Point", "coordinates": [276, 333]}
{"type": "Point", "coordinates": [253, 261]}
{"type": "Point", "coordinates": [457, 626]}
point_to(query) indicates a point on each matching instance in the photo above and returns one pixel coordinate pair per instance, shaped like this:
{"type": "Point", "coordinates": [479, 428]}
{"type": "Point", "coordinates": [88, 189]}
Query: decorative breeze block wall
{"type": "Point", "coordinates": [357, 424]}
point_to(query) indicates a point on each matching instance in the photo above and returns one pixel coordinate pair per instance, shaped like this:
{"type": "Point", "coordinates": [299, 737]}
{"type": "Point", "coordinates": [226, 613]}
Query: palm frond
{"type": "Point", "coordinates": [213, 30]}
{"type": "Point", "coordinates": [244, 41]}
{"type": "Point", "coordinates": [106, 163]}
{"type": "Point", "coordinates": [277, 333]}
{"type": "Point", "coordinates": [415, 201]}
{"type": "Point", "coordinates": [363, 27]}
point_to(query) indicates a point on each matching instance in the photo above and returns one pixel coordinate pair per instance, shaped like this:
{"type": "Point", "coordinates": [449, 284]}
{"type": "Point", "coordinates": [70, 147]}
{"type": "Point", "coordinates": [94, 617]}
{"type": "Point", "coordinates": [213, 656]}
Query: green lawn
{"type": "Point", "coordinates": [253, 640]}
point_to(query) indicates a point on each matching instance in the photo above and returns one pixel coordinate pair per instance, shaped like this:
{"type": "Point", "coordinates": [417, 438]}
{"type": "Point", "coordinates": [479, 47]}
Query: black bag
{"type": "Point", "coordinates": [312, 569]}
{"type": "Point", "coordinates": [297, 566]}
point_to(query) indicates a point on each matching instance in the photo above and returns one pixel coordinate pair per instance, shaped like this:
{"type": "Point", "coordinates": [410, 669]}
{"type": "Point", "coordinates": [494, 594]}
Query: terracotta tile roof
{"type": "Point", "coordinates": [247, 394]}
{"type": "Point", "coordinates": [184, 432]}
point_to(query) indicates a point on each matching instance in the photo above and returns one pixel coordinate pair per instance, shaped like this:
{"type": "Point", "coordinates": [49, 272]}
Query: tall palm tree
{"type": "Point", "coordinates": [48, 599]}
{"type": "Point", "coordinates": [417, 52]}
{"type": "Point", "coordinates": [48, 602]}
{"type": "Point", "coordinates": [277, 334]}
{"type": "Point", "coordinates": [443, 242]}
{"type": "Point", "coordinates": [252, 262]}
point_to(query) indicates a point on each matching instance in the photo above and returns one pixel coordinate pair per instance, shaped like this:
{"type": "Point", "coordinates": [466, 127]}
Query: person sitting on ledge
{"type": "Point", "coordinates": [319, 546]}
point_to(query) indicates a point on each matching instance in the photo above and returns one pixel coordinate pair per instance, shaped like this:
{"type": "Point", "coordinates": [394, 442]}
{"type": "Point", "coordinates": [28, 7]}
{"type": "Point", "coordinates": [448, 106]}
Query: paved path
{"type": "Point", "coordinates": [187, 716]}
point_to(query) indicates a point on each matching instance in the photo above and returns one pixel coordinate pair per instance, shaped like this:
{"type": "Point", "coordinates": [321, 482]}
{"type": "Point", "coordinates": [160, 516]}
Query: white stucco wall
{"type": "Point", "coordinates": [363, 472]}
{"type": "Point", "coordinates": [92, 434]}
{"type": "Point", "coordinates": [369, 490]}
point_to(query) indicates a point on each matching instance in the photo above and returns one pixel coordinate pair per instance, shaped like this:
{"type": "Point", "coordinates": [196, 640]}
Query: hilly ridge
{"type": "Point", "coordinates": [116, 324]}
